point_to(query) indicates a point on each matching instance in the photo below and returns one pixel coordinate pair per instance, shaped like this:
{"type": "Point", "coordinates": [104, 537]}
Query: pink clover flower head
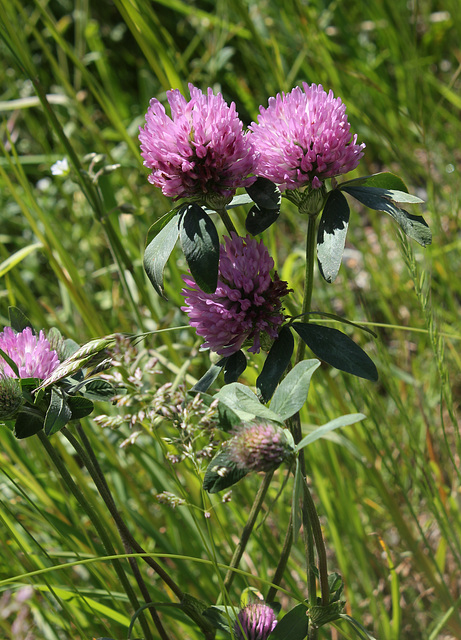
{"type": "Point", "coordinates": [257, 621]}
{"type": "Point", "coordinates": [246, 305]}
{"type": "Point", "coordinates": [258, 446]}
{"type": "Point", "coordinates": [304, 137]}
{"type": "Point", "coordinates": [32, 354]}
{"type": "Point", "coordinates": [201, 151]}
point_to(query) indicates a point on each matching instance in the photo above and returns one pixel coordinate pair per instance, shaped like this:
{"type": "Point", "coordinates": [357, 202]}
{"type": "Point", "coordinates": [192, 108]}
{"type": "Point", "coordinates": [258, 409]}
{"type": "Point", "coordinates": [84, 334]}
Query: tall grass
{"type": "Point", "coordinates": [76, 79]}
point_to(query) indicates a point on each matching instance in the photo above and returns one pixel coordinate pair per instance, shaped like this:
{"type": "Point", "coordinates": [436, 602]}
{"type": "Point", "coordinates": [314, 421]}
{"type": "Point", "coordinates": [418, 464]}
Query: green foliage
{"type": "Point", "coordinates": [200, 244]}
{"type": "Point", "coordinates": [337, 349]}
{"type": "Point", "coordinates": [331, 235]}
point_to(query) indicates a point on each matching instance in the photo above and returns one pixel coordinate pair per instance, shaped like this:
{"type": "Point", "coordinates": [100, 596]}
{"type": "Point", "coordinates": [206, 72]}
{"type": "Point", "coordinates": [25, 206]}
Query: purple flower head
{"type": "Point", "coordinates": [256, 620]}
{"type": "Point", "coordinates": [304, 137]}
{"type": "Point", "coordinates": [32, 354]}
{"type": "Point", "coordinates": [201, 152]}
{"type": "Point", "coordinates": [246, 304]}
{"type": "Point", "coordinates": [258, 446]}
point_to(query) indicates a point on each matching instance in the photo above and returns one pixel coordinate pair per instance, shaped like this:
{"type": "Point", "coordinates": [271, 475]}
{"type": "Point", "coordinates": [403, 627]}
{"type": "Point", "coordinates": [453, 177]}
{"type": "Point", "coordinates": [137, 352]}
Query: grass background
{"type": "Point", "coordinates": [388, 490]}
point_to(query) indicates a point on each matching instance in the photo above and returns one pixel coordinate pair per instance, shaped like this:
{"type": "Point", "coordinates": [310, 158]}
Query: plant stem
{"type": "Point", "coordinates": [311, 524]}
{"type": "Point", "coordinates": [227, 221]}
{"type": "Point", "coordinates": [319, 543]}
{"type": "Point", "coordinates": [99, 526]}
{"type": "Point", "coordinates": [281, 566]}
{"type": "Point", "coordinates": [239, 550]}
{"type": "Point", "coordinates": [308, 279]}
{"type": "Point", "coordinates": [91, 462]}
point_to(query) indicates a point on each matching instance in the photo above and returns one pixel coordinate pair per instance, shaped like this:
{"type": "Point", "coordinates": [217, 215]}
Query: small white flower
{"type": "Point", "coordinates": [60, 168]}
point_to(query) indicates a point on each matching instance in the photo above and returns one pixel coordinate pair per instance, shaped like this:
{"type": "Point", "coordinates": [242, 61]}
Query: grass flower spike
{"type": "Point", "coordinates": [201, 151]}
{"type": "Point", "coordinates": [257, 621]}
{"type": "Point", "coordinates": [32, 354]}
{"type": "Point", "coordinates": [304, 137]}
{"type": "Point", "coordinates": [246, 304]}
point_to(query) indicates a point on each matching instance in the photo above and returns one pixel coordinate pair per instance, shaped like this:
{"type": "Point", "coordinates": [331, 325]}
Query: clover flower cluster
{"type": "Point", "coordinates": [304, 137]}
{"type": "Point", "coordinates": [258, 446]}
{"type": "Point", "coordinates": [246, 303]}
{"type": "Point", "coordinates": [255, 622]}
{"type": "Point", "coordinates": [32, 354]}
{"type": "Point", "coordinates": [201, 151]}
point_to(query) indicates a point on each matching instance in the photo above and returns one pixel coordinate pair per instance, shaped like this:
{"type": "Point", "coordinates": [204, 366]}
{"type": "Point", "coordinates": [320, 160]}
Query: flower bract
{"type": "Point", "coordinates": [201, 151]}
{"type": "Point", "coordinates": [246, 305]}
{"type": "Point", "coordinates": [303, 137]}
{"type": "Point", "coordinates": [256, 620]}
{"type": "Point", "coordinates": [31, 353]}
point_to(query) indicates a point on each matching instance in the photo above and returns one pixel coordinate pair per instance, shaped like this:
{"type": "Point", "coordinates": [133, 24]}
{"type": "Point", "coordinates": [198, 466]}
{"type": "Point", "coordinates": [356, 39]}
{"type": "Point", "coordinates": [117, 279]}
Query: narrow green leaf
{"type": "Point", "coordinates": [200, 244]}
{"type": "Point", "coordinates": [209, 377]}
{"type": "Point", "coordinates": [293, 625]}
{"type": "Point", "coordinates": [291, 395]}
{"type": "Point", "coordinates": [58, 414]}
{"type": "Point", "coordinates": [331, 235]}
{"type": "Point", "coordinates": [160, 224]}
{"type": "Point", "coordinates": [4, 356]}
{"type": "Point", "coordinates": [413, 226]}
{"type": "Point", "coordinates": [158, 251]}
{"type": "Point", "coordinates": [323, 614]}
{"type": "Point", "coordinates": [383, 180]}
{"type": "Point", "coordinates": [334, 316]}
{"type": "Point", "coordinates": [18, 320]}
{"type": "Point", "coordinates": [244, 403]}
{"type": "Point", "coordinates": [275, 364]}
{"type": "Point", "coordinates": [358, 628]}
{"type": "Point", "coordinates": [295, 505]}
{"type": "Point", "coordinates": [17, 257]}
{"type": "Point", "coordinates": [234, 367]}
{"type": "Point", "coordinates": [238, 201]}
{"type": "Point", "coordinates": [342, 421]}
{"type": "Point", "coordinates": [337, 349]}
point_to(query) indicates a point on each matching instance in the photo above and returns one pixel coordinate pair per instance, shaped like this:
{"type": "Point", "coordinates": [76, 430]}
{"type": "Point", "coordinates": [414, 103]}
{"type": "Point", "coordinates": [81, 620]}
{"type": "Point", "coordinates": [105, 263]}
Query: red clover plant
{"type": "Point", "coordinates": [199, 156]}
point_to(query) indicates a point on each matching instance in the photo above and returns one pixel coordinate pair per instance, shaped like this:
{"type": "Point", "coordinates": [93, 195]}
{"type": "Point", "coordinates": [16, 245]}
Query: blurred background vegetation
{"type": "Point", "coordinates": [76, 79]}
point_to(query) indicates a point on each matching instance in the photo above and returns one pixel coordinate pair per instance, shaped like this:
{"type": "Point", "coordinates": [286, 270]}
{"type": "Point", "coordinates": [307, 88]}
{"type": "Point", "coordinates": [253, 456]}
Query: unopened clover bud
{"type": "Point", "coordinates": [258, 446]}
{"type": "Point", "coordinates": [11, 399]}
{"type": "Point", "coordinates": [255, 622]}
